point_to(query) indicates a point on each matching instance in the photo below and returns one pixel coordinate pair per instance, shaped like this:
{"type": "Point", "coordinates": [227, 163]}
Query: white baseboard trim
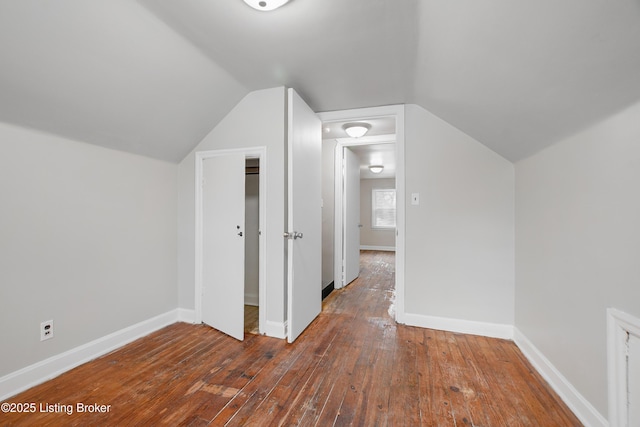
{"type": "Point", "coordinates": [377, 248]}
{"type": "Point", "coordinates": [47, 369]}
{"type": "Point", "coordinates": [493, 330]}
{"type": "Point", "coordinates": [251, 299]}
{"type": "Point", "coordinates": [186, 315]}
{"type": "Point", "coordinates": [276, 329]}
{"type": "Point", "coordinates": [587, 414]}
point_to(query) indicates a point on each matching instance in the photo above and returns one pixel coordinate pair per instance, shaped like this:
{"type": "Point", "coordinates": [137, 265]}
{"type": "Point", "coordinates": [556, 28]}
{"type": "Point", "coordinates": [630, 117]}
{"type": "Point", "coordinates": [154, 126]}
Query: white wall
{"type": "Point", "coordinates": [460, 239]}
{"type": "Point", "coordinates": [328, 210]}
{"type": "Point", "coordinates": [258, 120]}
{"type": "Point", "coordinates": [578, 247]}
{"type": "Point", "coordinates": [251, 239]}
{"type": "Point", "coordinates": [87, 238]}
{"type": "Point", "coordinates": [374, 236]}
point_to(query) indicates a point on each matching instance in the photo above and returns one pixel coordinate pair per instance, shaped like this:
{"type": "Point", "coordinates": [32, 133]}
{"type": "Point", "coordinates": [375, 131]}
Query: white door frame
{"type": "Point", "coordinates": [249, 153]}
{"type": "Point", "coordinates": [340, 231]}
{"type": "Point", "coordinates": [357, 115]}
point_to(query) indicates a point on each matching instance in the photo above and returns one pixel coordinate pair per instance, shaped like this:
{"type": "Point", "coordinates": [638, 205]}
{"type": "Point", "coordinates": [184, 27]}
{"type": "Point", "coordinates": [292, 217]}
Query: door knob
{"type": "Point", "coordinates": [292, 235]}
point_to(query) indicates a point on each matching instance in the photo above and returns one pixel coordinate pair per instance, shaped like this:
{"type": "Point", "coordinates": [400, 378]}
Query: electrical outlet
{"type": "Point", "coordinates": [46, 330]}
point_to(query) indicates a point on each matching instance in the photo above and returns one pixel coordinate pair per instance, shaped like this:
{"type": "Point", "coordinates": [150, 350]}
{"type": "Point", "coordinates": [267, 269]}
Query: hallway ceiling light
{"type": "Point", "coordinates": [266, 5]}
{"type": "Point", "coordinates": [376, 168]}
{"type": "Point", "coordinates": [356, 130]}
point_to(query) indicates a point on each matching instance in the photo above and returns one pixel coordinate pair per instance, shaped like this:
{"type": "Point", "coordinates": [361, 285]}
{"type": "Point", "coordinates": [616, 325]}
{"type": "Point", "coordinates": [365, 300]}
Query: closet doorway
{"type": "Point", "coordinates": [252, 247]}
{"type": "Point", "coordinates": [230, 248]}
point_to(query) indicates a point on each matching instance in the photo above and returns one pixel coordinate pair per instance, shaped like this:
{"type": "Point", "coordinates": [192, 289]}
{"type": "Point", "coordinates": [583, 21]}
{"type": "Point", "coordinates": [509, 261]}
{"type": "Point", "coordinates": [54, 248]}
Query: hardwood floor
{"type": "Point", "coordinates": [353, 366]}
{"type": "Point", "coordinates": [251, 319]}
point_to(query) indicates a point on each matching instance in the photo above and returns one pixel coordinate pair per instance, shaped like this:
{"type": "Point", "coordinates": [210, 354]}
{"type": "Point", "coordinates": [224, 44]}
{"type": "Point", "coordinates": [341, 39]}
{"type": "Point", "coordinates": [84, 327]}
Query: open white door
{"type": "Point", "coordinates": [304, 250]}
{"type": "Point", "coordinates": [351, 222]}
{"type": "Point", "coordinates": [223, 195]}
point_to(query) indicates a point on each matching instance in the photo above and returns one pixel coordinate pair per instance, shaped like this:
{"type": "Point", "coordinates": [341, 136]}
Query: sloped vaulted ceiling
{"type": "Point", "coordinates": [154, 76]}
{"type": "Point", "coordinates": [108, 73]}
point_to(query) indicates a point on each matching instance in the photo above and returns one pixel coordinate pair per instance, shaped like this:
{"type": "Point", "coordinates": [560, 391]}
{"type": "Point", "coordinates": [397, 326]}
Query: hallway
{"type": "Point", "coordinates": [353, 366]}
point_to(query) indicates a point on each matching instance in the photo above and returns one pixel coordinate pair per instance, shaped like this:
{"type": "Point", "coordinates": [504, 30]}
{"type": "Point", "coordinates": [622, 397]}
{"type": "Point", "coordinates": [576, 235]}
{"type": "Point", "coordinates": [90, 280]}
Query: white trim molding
{"type": "Point", "coordinates": [580, 406]}
{"type": "Point", "coordinates": [619, 326]}
{"type": "Point", "coordinates": [377, 248]}
{"type": "Point", "coordinates": [251, 299]}
{"type": "Point", "coordinates": [276, 329]}
{"type": "Point", "coordinates": [47, 369]}
{"type": "Point", "coordinates": [493, 330]}
{"type": "Point", "coordinates": [186, 315]}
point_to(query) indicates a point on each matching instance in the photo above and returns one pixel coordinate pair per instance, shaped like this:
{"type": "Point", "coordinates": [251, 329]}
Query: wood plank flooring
{"type": "Point", "coordinates": [251, 319]}
{"type": "Point", "coordinates": [353, 366]}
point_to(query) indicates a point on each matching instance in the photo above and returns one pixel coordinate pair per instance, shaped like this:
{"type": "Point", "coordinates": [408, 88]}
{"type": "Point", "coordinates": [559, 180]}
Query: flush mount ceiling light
{"type": "Point", "coordinates": [266, 5]}
{"type": "Point", "coordinates": [376, 168]}
{"type": "Point", "coordinates": [356, 130]}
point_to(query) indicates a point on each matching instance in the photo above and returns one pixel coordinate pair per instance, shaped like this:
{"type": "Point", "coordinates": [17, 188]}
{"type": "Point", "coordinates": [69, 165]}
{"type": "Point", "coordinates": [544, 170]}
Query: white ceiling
{"type": "Point", "coordinates": [154, 76]}
{"type": "Point", "coordinates": [377, 147]}
{"type": "Point", "coordinates": [376, 154]}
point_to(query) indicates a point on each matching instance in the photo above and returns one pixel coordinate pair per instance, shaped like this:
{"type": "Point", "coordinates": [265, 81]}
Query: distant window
{"type": "Point", "coordinates": [383, 208]}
